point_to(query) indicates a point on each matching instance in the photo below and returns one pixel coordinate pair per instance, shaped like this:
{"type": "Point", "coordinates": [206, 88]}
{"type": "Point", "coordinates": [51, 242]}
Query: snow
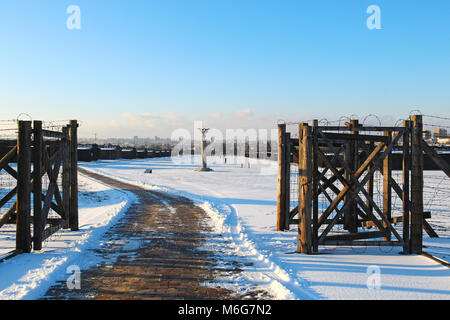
{"type": "Point", "coordinates": [240, 198]}
{"type": "Point", "coordinates": [28, 276]}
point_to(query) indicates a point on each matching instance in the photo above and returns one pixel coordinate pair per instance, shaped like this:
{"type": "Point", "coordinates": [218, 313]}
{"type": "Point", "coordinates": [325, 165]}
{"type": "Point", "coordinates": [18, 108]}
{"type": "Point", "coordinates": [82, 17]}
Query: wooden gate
{"type": "Point", "coordinates": [339, 163]}
{"type": "Point", "coordinates": [42, 157]}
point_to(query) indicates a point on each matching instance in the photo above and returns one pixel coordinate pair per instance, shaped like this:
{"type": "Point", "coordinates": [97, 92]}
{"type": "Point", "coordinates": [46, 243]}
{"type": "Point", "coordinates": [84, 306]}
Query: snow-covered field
{"type": "Point", "coordinates": [29, 276]}
{"type": "Point", "coordinates": [240, 197]}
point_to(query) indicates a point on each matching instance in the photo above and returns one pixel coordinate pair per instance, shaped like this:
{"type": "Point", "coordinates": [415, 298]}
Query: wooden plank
{"type": "Point", "coordinates": [438, 260]}
{"type": "Point", "coordinates": [370, 183]}
{"type": "Point", "coordinates": [351, 219]}
{"type": "Point", "coordinates": [305, 180]}
{"type": "Point", "coordinates": [51, 190]}
{"type": "Point", "coordinates": [281, 190]}
{"type": "Point", "coordinates": [52, 134]}
{"type": "Point", "coordinates": [9, 255]}
{"type": "Point", "coordinates": [7, 158]}
{"type": "Point", "coordinates": [406, 164]}
{"type": "Point", "coordinates": [365, 128]}
{"type": "Point", "coordinates": [37, 185]}
{"type": "Point", "coordinates": [73, 211]}
{"type": "Point", "coordinates": [52, 229]}
{"type": "Point", "coordinates": [11, 171]}
{"type": "Point", "coordinates": [66, 177]}
{"type": "Point", "coordinates": [293, 212]}
{"type": "Point", "coordinates": [8, 197]}
{"type": "Point", "coordinates": [387, 190]}
{"type": "Point", "coordinates": [437, 159]}
{"type": "Point", "coordinates": [416, 185]}
{"type": "Point", "coordinates": [23, 231]}
{"type": "Point", "coordinates": [4, 219]}
{"type": "Point", "coordinates": [353, 137]}
{"type": "Point", "coordinates": [427, 227]}
{"type": "Point", "coordinates": [394, 183]}
{"type": "Point", "coordinates": [287, 175]}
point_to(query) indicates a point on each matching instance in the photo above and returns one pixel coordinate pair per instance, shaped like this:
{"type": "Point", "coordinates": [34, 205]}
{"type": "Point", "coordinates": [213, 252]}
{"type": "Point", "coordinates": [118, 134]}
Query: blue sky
{"type": "Point", "coordinates": [138, 65]}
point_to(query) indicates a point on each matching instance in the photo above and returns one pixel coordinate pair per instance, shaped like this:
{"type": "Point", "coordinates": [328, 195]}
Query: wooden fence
{"type": "Point", "coordinates": [339, 163]}
{"type": "Point", "coordinates": [40, 153]}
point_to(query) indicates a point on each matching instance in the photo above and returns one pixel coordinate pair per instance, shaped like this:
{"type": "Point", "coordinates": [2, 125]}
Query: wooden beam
{"type": "Point", "coordinates": [8, 197]}
{"type": "Point", "coordinates": [73, 213]}
{"type": "Point", "coordinates": [353, 137]}
{"type": "Point", "coordinates": [37, 185]}
{"type": "Point", "coordinates": [387, 189]}
{"type": "Point", "coordinates": [281, 190]}
{"type": "Point", "coordinates": [406, 164]}
{"type": "Point", "coordinates": [287, 182]}
{"type": "Point", "coordinates": [4, 219]}
{"type": "Point", "coordinates": [428, 229]}
{"type": "Point", "coordinates": [52, 134]}
{"type": "Point", "coordinates": [11, 171]}
{"type": "Point", "coordinates": [416, 185]}
{"type": "Point", "coordinates": [23, 231]}
{"type": "Point", "coordinates": [437, 159]}
{"type": "Point", "coordinates": [304, 189]}
{"type": "Point", "coordinates": [365, 128]}
{"type": "Point", "coordinates": [315, 183]}
{"type": "Point", "coordinates": [7, 158]}
{"type": "Point", "coordinates": [66, 177]}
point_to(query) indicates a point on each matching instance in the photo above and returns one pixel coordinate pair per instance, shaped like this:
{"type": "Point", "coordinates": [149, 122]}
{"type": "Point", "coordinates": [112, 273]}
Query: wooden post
{"type": "Point", "coordinates": [405, 191]}
{"type": "Point", "coordinates": [38, 228]}
{"type": "Point", "coordinates": [281, 193]}
{"type": "Point", "coordinates": [315, 186]}
{"type": "Point", "coordinates": [387, 190]}
{"type": "Point", "coordinates": [73, 211]}
{"type": "Point", "coordinates": [304, 188]}
{"type": "Point", "coordinates": [287, 174]}
{"type": "Point", "coordinates": [370, 182]}
{"type": "Point", "coordinates": [350, 215]}
{"type": "Point", "coordinates": [66, 176]}
{"type": "Point", "coordinates": [23, 230]}
{"type": "Point", "coordinates": [416, 185]}
{"type": "Point", "coordinates": [257, 148]}
{"type": "Point", "coordinates": [355, 166]}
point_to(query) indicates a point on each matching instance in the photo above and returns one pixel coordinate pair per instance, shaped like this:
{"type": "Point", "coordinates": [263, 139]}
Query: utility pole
{"type": "Point", "coordinates": [203, 147]}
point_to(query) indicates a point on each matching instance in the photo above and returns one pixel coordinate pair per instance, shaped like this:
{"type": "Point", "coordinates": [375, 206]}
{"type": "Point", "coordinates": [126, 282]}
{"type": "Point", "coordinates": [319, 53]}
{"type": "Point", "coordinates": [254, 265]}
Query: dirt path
{"type": "Point", "coordinates": [162, 248]}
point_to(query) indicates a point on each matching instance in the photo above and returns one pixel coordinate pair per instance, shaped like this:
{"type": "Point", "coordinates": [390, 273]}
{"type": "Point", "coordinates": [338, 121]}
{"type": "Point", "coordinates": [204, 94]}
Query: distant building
{"type": "Point", "coordinates": [440, 133]}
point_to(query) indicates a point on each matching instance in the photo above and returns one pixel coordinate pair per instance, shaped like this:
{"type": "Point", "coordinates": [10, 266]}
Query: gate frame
{"type": "Point", "coordinates": [33, 153]}
{"type": "Point", "coordinates": [348, 170]}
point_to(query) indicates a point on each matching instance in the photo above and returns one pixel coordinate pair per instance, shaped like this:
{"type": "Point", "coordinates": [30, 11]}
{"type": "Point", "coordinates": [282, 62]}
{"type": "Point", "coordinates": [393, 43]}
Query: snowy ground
{"type": "Point", "coordinates": [29, 276]}
{"type": "Point", "coordinates": [241, 200]}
